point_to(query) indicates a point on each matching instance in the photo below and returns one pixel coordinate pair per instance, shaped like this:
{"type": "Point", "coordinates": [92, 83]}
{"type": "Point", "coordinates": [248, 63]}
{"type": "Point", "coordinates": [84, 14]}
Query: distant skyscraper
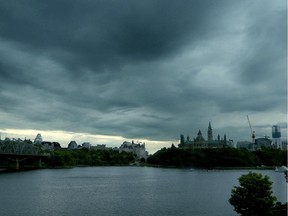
{"type": "Point", "coordinates": [210, 132]}
{"type": "Point", "coordinates": [276, 136]}
{"type": "Point", "coordinates": [182, 139]}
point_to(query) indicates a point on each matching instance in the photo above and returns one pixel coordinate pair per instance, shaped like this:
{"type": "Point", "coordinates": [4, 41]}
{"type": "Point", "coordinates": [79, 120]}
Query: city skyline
{"type": "Point", "coordinates": [153, 146]}
{"type": "Point", "coordinates": [108, 71]}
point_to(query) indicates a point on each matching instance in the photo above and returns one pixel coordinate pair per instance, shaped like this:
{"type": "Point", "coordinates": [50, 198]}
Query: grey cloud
{"type": "Point", "coordinates": [145, 69]}
{"type": "Point", "coordinates": [282, 124]}
{"type": "Point", "coordinates": [107, 33]}
{"type": "Point", "coordinates": [267, 41]}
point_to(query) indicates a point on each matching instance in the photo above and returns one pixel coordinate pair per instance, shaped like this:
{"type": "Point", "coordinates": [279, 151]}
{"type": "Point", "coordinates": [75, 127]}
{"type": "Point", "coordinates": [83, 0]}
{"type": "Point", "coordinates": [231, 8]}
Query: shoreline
{"type": "Point", "coordinates": [5, 170]}
{"type": "Point", "coordinates": [216, 168]}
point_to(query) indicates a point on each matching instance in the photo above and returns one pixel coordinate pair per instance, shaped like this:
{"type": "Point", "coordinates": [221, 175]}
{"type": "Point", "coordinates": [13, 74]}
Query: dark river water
{"type": "Point", "coordinates": [124, 191]}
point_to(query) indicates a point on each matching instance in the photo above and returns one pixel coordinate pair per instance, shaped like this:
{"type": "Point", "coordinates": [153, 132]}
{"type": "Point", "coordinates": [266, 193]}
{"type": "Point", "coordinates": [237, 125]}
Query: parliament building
{"type": "Point", "coordinates": [200, 142]}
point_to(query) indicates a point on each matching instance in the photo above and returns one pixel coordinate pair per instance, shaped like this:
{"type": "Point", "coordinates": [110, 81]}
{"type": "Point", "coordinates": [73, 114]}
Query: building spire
{"type": "Point", "coordinates": [210, 132]}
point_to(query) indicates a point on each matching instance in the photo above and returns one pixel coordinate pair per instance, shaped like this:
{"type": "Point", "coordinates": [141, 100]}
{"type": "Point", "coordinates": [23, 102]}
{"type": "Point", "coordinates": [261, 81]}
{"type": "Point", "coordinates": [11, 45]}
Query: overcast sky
{"type": "Point", "coordinates": [110, 71]}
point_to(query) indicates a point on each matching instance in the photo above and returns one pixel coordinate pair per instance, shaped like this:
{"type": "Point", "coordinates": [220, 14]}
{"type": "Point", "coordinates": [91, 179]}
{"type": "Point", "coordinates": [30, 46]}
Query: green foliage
{"type": "Point", "coordinates": [220, 157]}
{"type": "Point", "coordinates": [280, 209]}
{"type": "Point", "coordinates": [85, 157]}
{"type": "Point", "coordinates": [254, 195]}
{"type": "Point", "coordinates": [271, 157]}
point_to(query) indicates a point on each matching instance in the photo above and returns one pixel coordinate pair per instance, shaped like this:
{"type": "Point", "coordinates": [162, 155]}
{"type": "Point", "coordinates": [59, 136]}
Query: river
{"type": "Point", "coordinates": [124, 191]}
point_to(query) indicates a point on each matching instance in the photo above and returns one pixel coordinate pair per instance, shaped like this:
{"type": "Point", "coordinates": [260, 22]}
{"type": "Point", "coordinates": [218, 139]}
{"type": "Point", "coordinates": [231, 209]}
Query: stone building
{"type": "Point", "coordinates": [50, 146]}
{"type": "Point", "coordinates": [136, 148]}
{"type": "Point", "coordinates": [86, 145]}
{"type": "Point", "coordinates": [200, 142]}
{"type": "Point", "coordinates": [38, 139]}
{"type": "Point", "coordinates": [210, 132]}
{"type": "Point", "coordinates": [72, 145]}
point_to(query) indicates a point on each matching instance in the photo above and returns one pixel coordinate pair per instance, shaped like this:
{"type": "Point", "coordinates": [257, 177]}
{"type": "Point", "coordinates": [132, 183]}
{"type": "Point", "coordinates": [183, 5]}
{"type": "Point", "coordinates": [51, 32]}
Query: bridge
{"type": "Point", "coordinates": [14, 152]}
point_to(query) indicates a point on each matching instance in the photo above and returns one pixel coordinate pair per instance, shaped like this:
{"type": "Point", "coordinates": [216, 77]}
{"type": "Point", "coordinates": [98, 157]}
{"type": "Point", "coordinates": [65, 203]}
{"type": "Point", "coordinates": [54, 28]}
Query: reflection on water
{"type": "Point", "coordinates": [124, 191]}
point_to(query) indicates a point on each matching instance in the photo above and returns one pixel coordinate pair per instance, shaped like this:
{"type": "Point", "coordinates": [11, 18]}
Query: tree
{"type": "Point", "coordinates": [254, 195]}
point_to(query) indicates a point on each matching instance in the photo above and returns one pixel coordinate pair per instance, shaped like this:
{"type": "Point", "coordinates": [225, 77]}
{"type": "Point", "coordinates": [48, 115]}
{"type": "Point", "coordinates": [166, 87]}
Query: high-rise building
{"type": "Point", "coordinates": [276, 136]}
{"type": "Point", "coordinates": [182, 139]}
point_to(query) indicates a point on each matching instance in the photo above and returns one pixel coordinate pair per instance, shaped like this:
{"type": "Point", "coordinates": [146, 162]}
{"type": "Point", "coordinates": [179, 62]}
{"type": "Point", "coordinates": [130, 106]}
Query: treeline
{"type": "Point", "coordinates": [86, 157]}
{"type": "Point", "coordinates": [222, 157]}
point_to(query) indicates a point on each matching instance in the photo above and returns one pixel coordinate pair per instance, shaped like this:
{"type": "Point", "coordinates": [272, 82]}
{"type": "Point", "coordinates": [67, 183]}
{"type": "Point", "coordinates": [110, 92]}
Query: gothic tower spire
{"type": "Point", "coordinates": [210, 132]}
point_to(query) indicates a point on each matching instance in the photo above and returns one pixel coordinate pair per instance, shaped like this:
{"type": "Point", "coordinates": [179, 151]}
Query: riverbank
{"type": "Point", "coordinates": [216, 168]}
{"type": "Point", "coordinates": [226, 158]}
{"type": "Point", "coordinates": [218, 158]}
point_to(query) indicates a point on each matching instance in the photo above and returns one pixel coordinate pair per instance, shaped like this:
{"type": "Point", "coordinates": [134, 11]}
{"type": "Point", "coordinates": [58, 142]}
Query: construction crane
{"type": "Point", "coordinates": [252, 132]}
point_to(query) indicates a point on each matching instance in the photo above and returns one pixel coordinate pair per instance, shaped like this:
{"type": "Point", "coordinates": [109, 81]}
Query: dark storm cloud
{"type": "Point", "coordinates": [105, 33]}
{"type": "Point", "coordinates": [146, 69]}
